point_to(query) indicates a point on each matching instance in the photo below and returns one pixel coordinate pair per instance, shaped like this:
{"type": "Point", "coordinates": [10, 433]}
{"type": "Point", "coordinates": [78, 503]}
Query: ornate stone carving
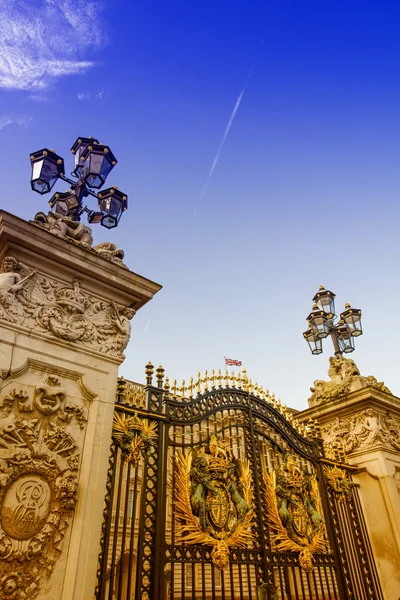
{"type": "Point", "coordinates": [344, 378]}
{"type": "Point", "coordinates": [39, 461]}
{"type": "Point", "coordinates": [294, 511]}
{"type": "Point", "coordinates": [214, 499]}
{"type": "Point", "coordinates": [363, 430]}
{"type": "Point", "coordinates": [65, 311]}
{"type": "Point", "coordinates": [78, 233]}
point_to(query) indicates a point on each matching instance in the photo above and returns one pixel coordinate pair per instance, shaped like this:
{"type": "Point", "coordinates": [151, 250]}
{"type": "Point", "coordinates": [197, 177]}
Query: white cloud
{"type": "Point", "coordinates": [8, 120]}
{"type": "Point", "coordinates": [43, 41]}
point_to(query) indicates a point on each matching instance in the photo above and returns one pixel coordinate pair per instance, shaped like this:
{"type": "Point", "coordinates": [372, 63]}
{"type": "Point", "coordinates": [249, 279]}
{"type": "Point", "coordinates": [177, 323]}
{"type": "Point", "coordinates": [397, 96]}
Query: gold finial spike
{"type": "Point", "coordinates": [219, 378]}
{"type": "Point", "coordinates": [245, 380]}
{"type": "Point", "coordinates": [166, 388]}
{"type": "Point", "coordinates": [317, 429]}
{"type": "Point", "coordinates": [262, 393]}
{"type": "Point", "coordinates": [182, 390]}
{"type": "Point", "coordinates": [149, 373]}
{"type": "Point", "coordinates": [212, 379]}
{"type": "Point", "coordinates": [239, 380]}
{"type": "Point", "coordinates": [205, 381]}
{"type": "Point", "coordinates": [190, 388]}
{"type": "Point", "coordinates": [174, 389]}
{"type": "Point", "coordinates": [198, 384]}
{"type": "Point", "coordinates": [250, 386]}
{"type": "Point", "coordinates": [160, 376]}
{"type": "Point", "coordinates": [289, 417]}
{"type": "Point", "coordinates": [226, 377]}
{"type": "Point", "coordinates": [256, 390]}
{"type": "Point", "coordinates": [232, 378]}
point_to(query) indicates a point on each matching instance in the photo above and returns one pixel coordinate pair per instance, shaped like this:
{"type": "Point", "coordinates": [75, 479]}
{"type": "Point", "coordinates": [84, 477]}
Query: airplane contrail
{"type": "Point", "coordinates": [221, 145]}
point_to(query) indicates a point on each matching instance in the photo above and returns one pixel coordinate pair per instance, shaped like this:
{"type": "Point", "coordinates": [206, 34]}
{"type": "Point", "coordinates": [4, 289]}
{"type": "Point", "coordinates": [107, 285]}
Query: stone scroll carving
{"type": "Point", "coordinates": [43, 420]}
{"type": "Point", "coordinates": [364, 430]}
{"type": "Point", "coordinates": [43, 304]}
{"type": "Point", "coordinates": [344, 378]}
{"type": "Point", "coordinates": [79, 234]}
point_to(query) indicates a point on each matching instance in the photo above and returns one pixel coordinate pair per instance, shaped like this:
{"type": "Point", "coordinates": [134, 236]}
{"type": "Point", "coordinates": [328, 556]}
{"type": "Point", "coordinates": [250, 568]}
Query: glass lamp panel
{"type": "Point", "coordinates": [317, 320]}
{"type": "Point", "coordinates": [352, 318]}
{"type": "Point", "coordinates": [314, 343]}
{"type": "Point", "coordinates": [345, 339]}
{"type": "Point", "coordinates": [106, 167]}
{"type": "Point", "coordinates": [36, 168]}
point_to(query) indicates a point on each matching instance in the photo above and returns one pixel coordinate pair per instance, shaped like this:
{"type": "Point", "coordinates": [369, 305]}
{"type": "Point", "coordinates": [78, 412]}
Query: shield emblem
{"type": "Point", "coordinates": [300, 517]}
{"type": "Point", "coordinates": [217, 508]}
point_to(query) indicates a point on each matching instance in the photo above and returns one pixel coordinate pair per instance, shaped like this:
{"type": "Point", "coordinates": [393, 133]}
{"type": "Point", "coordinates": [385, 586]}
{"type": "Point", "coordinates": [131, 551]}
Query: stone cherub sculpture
{"type": "Point", "coordinates": [65, 227]}
{"type": "Point", "coordinates": [11, 282]}
{"type": "Point", "coordinates": [345, 377]}
{"type": "Point", "coordinates": [75, 231]}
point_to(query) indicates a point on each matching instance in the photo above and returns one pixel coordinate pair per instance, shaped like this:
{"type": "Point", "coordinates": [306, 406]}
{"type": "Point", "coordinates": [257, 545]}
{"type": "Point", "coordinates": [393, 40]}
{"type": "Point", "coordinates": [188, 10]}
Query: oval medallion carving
{"type": "Point", "coordinates": [26, 506]}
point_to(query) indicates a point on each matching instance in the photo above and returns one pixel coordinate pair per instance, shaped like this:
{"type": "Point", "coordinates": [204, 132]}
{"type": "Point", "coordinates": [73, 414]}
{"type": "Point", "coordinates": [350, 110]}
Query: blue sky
{"type": "Point", "coordinates": [305, 191]}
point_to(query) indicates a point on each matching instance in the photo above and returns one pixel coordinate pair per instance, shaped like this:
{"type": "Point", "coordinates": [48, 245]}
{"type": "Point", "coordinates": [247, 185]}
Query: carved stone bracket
{"type": "Point", "coordinates": [63, 310]}
{"type": "Point", "coordinates": [40, 442]}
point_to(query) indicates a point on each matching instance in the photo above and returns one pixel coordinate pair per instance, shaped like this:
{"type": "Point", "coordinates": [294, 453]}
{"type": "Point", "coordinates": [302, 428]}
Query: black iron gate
{"type": "Point", "coordinates": [306, 538]}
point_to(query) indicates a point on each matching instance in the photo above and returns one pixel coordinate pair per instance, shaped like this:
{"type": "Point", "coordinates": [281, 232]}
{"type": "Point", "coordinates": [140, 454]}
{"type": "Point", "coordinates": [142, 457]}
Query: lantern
{"type": "Point", "coordinates": [344, 338]}
{"type": "Point", "coordinates": [97, 160]}
{"type": "Point", "coordinates": [314, 342]}
{"type": "Point", "coordinates": [77, 150]}
{"type": "Point", "coordinates": [318, 320]}
{"type": "Point", "coordinates": [352, 318]}
{"type": "Point", "coordinates": [325, 300]}
{"type": "Point", "coordinates": [47, 167]}
{"type": "Point", "coordinates": [112, 203]}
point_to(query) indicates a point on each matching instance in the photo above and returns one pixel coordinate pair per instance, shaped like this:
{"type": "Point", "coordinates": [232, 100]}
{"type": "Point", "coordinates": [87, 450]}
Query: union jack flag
{"type": "Point", "coordinates": [232, 363]}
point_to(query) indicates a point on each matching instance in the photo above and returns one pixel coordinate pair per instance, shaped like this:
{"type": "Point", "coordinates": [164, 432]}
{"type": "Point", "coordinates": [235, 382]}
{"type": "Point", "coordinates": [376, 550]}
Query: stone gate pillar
{"type": "Point", "coordinates": [360, 417]}
{"type": "Point", "coordinates": [65, 310]}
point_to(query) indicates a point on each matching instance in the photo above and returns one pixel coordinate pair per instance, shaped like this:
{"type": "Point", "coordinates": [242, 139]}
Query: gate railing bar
{"type": "Point", "coordinates": [107, 522]}
{"type": "Point", "coordinates": [124, 528]}
{"type": "Point", "coordinates": [132, 538]}
{"type": "Point", "coordinates": [115, 540]}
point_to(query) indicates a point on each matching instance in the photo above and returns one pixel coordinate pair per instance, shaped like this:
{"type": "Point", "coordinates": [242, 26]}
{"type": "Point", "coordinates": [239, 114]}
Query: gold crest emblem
{"type": "Point", "coordinates": [214, 499]}
{"type": "Point", "coordinates": [294, 511]}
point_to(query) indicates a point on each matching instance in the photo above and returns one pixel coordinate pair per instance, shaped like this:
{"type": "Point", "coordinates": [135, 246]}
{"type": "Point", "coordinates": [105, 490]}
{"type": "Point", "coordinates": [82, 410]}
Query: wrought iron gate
{"type": "Point", "coordinates": [216, 492]}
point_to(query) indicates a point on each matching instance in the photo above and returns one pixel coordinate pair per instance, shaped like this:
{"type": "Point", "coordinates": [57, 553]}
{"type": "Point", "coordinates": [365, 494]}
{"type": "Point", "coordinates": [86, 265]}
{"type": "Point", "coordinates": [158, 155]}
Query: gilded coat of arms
{"type": "Point", "coordinates": [214, 499]}
{"type": "Point", "coordinates": [294, 511]}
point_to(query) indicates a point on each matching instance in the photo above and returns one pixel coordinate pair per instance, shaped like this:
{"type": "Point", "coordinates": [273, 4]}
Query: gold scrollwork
{"type": "Point", "coordinates": [338, 481]}
{"type": "Point", "coordinates": [214, 499]}
{"type": "Point", "coordinates": [294, 511]}
{"type": "Point", "coordinates": [134, 436]}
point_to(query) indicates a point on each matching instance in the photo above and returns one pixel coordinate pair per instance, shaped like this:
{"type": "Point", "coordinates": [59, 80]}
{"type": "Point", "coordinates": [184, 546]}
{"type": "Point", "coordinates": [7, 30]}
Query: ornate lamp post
{"type": "Point", "coordinates": [92, 164]}
{"type": "Point", "coordinates": [323, 321]}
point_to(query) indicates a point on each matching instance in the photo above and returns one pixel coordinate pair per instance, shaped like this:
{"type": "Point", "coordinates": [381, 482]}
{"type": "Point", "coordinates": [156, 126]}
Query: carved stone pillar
{"type": "Point", "coordinates": [65, 309]}
{"type": "Point", "coordinates": [360, 417]}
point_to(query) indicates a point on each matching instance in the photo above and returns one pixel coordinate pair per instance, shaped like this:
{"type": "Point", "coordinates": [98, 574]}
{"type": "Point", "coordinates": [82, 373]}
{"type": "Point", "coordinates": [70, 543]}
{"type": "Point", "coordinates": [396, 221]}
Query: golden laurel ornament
{"type": "Point", "coordinates": [214, 499]}
{"type": "Point", "coordinates": [294, 512]}
{"type": "Point", "coordinates": [134, 436]}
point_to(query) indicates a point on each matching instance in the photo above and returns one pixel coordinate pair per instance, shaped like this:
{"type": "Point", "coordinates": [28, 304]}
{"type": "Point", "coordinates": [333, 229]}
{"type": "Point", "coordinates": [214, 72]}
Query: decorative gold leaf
{"type": "Point", "coordinates": [280, 535]}
{"type": "Point", "coordinates": [194, 534]}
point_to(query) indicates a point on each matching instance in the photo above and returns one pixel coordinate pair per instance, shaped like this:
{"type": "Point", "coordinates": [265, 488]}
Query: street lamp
{"type": "Point", "coordinates": [323, 321]}
{"type": "Point", "coordinates": [92, 164]}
